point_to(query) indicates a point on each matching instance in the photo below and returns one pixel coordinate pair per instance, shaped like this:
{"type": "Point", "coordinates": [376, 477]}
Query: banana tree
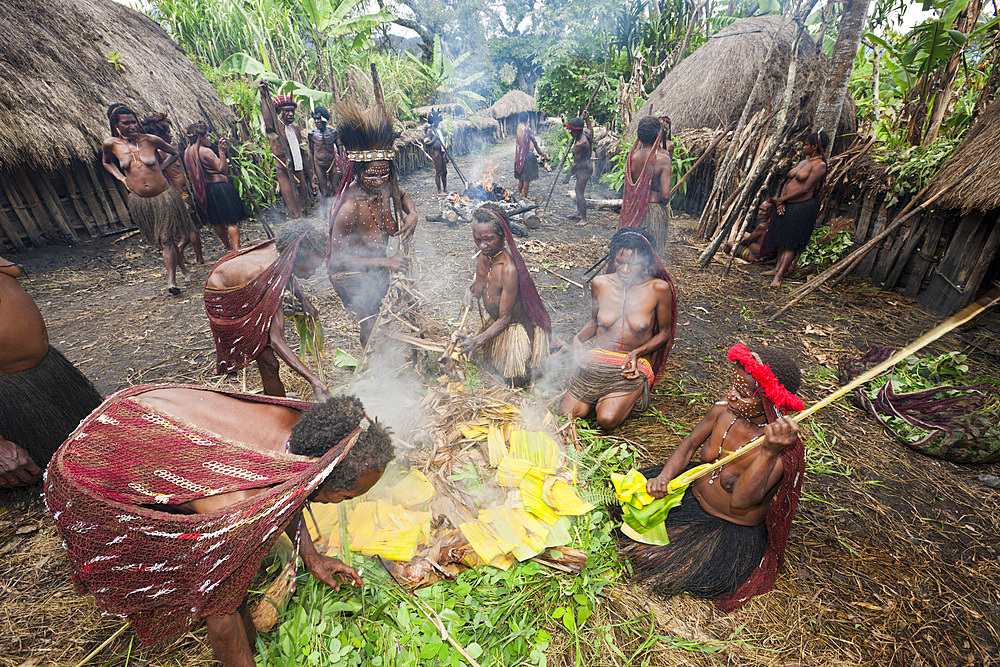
{"type": "Point", "coordinates": [443, 72]}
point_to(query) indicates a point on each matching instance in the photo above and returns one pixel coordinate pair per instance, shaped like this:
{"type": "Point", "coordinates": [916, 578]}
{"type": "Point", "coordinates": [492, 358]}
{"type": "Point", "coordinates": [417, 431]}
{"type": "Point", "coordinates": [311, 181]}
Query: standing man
{"type": "Point", "coordinates": [280, 117]}
{"type": "Point", "coordinates": [362, 218]}
{"type": "Point", "coordinates": [583, 148]}
{"type": "Point", "coordinates": [243, 295]}
{"type": "Point", "coordinates": [525, 161]}
{"type": "Point", "coordinates": [42, 395]}
{"type": "Point", "coordinates": [647, 183]}
{"type": "Point", "coordinates": [434, 142]}
{"type": "Point", "coordinates": [324, 146]}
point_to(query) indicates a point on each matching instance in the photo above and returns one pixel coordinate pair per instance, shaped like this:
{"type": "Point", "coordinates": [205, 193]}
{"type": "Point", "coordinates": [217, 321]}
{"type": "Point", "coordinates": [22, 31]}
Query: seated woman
{"type": "Point", "coordinates": [727, 537]}
{"type": "Point", "coordinates": [515, 334]}
{"type": "Point", "coordinates": [632, 321]}
{"type": "Point", "coordinates": [797, 206]}
{"type": "Point", "coordinates": [751, 247]}
{"type": "Point", "coordinates": [181, 492]}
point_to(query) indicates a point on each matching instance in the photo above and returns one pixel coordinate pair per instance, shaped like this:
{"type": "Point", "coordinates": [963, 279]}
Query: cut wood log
{"type": "Point", "coordinates": [607, 204]}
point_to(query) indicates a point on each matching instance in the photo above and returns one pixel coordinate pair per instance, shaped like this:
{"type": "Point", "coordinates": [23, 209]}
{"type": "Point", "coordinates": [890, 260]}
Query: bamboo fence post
{"type": "Point", "coordinates": [87, 189]}
{"type": "Point", "coordinates": [988, 300]}
{"type": "Point", "coordinates": [116, 199]}
{"type": "Point", "coordinates": [52, 201]}
{"type": "Point", "coordinates": [33, 203]}
{"type": "Point", "coordinates": [73, 194]}
{"type": "Point", "coordinates": [17, 205]}
{"type": "Point", "coordinates": [99, 186]}
{"type": "Point", "coordinates": [11, 231]}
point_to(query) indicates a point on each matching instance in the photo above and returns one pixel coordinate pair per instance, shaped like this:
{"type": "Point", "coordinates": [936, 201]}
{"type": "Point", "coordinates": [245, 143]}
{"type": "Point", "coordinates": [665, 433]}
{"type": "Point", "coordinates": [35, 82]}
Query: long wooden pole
{"type": "Point", "coordinates": [845, 265]}
{"type": "Point", "coordinates": [990, 299]}
{"type": "Point", "coordinates": [586, 110]}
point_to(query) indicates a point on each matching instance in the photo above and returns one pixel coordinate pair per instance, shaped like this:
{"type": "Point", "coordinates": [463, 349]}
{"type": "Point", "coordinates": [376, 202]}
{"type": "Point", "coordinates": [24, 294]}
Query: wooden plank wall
{"type": "Point", "coordinates": [58, 207]}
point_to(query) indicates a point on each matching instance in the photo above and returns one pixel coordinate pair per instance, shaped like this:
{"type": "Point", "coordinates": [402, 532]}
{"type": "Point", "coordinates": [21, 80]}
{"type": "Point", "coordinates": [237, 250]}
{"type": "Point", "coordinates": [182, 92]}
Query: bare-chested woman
{"type": "Point", "coordinates": [582, 133]}
{"type": "Point", "coordinates": [515, 334]}
{"type": "Point", "coordinates": [42, 395]}
{"type": "Point", "coordinates": [633, 315]}
{"type": "Point", "coordinates": [361, 220]}
{"type": "Point", "coordinates": [156, 208]}
{"type": "Point", "coordinates": [798, 205]}
{"type": "Point", "coordinates": [525, 150]}
{"type": "Point", "coordinates": [218, 200]}
{"type": "Point", "coordinates": [647, 183]}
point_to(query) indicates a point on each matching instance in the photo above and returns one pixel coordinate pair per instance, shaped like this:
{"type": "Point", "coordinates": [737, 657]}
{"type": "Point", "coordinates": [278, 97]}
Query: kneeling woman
{"type": "Point", "coordinates": [727, 537]}
{"type": "Point", "coordinates": [633, 316]}
{"type": "Point", "coordinates": [515, 333]}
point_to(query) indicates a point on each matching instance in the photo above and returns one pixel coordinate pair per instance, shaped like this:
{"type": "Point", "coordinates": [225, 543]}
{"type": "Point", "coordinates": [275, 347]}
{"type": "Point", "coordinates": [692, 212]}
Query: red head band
{"type": "Point", "coordinates": [773, 389]}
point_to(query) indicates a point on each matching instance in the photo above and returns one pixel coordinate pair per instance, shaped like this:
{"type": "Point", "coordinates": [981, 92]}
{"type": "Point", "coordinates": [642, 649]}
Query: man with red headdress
{"type": "Point", "coordinates": [515, 333]}
{"type": "Point", "coordinates": [279, 116]}
{"type": "Point", "coordinates": [727, 537]}
{"type": "Point", "coordinates": [632, 322]}
{"type": "Point", "coordinates": [582, 134]}
{"type": "Point", "coordinates": [647, 183]}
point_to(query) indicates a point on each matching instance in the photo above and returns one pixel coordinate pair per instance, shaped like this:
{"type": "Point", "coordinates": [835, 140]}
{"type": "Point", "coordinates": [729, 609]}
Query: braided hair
{"type": "Point", "coordinates": [115, 112]}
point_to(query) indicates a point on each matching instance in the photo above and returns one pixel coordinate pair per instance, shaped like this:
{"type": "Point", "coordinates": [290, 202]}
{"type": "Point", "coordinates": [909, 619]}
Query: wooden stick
{"type": "Point", "coordinates": [100, 648]}
{"type": "Point", "coordinates": [557, 275]}
{"type": "Point", "coordinates": [454, 336]}
{"type": "Point", "coordinates": [701, 158]}
{"type": "Point", "coordinates": [958, 319]}
{"type": "Point", "coordinates": [848, 263]}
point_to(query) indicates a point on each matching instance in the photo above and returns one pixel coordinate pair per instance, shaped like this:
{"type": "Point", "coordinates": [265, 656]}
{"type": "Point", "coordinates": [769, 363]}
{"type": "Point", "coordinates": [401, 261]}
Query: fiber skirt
{"type": "Point", "coordinates": [513, 353]}
{"type": "Point", "coordinates": [43, 405]}
{"type": "Point", "coordinates": [162, 216]}
{"type": "Point", "coordinates": [224, 204]}
{"type": "Point", "coordinates": [657, 221]}
{"type": "Point", "coordinates": [792, 230]}
{"type": "Point", "coordinates": [598, 380]}
{"type": "Point", "coordinates": [707, 556]}
{"type": "Point", "coordinates": [529, 172]}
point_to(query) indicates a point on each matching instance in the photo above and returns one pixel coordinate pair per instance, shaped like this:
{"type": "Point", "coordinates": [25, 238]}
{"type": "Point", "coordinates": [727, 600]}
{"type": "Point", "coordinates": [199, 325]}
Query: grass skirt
{"type": "Point", "coordinates": [224, 204]}
{"type": "Point", "coordinates": [657, 221]}
{"type": "Point", "coordinates": [42, 405]}
{"type": "Point", "coordinates": [792, 230]}
{"type": "Point", "coordinates": [597, 380]}
{"type": "Point", "coordinates": [512, 352]}
{"type": "Point", "coordinates": [529, 172]}
{"type": "Point", "coordinates": [707, 556]}
{"type": "Point", "coordinates": [162, 216]}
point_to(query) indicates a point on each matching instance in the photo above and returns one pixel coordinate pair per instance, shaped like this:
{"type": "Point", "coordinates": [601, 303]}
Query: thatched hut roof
{"type": "Point", "coordinates": [65, 62]}
{"type": "Point", "coordinates": [510, 104]}
{"type": "Point", "coordinates": [711, 86]}
{"type": "Point", "coordinates": [980, 190]}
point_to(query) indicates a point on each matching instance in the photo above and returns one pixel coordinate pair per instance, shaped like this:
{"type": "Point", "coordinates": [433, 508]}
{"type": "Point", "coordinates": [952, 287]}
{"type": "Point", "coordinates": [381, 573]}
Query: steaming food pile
{"type": "Point", "coordinates": [489, 490]}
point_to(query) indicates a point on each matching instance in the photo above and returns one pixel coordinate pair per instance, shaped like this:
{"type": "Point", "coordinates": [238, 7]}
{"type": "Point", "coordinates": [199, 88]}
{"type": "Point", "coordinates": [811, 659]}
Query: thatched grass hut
{"type": "Point", "coordinates": [64, 63]}
{"type": "Point", "coordinates": [710, 87]}
{"type": "Point", "coordinates": [946, 256]}
{"type": "Point", "coordinates": [506, 110]}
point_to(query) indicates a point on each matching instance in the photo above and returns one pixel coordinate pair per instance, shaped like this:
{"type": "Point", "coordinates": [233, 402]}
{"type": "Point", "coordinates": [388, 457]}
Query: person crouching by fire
{"type": "Point", "coordinates": [515, 334]}
{"type": "Point", "coordinates": [361, 218]}
{"type": "Point", "coordinates": [632, 322]}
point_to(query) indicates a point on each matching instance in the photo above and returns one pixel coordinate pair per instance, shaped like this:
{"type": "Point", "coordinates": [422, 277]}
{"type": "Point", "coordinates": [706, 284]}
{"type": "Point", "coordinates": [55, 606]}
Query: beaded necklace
{"type": "Point", "coordinates": [489, 273]}
{"type": "Point", "coordinates": [135, 153]}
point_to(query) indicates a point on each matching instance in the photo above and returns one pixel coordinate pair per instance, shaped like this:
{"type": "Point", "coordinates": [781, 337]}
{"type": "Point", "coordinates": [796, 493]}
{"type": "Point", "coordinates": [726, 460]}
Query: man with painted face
{"type": "Point", "coordinates": [632, 321]}
{"type": "Point", "coordinates": [324, 146]}
{"type": "Point", "coordinates": [364, 216]}
{"type": "Point", "coordinates": [243, 297]}
{"type": "Point", "coordinates": [727, 537]}
{"type": "Point", "coordinates": [515, 334]}
{"type": "Point", "coordinates": [279, 116]}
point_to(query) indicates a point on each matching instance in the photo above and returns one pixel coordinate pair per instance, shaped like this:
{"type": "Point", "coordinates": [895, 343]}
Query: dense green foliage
{"type": "Point", "coordinates": [823, 252]}
{"type": "Point", "coordinates": [680, 162]}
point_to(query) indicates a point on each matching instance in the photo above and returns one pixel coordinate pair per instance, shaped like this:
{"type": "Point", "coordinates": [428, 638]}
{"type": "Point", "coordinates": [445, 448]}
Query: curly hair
{"type": "Point", "coordinates": [196, 129]}
{"type": "Point", "coordinates": [313, 243]}
{"type": "Point", "coordinates": [783, 366]}
{"type": "Point", "coordinates": [157, 123]}
{"type": "Point", "coordinates": [482, 214]}
{"type": "Point", "coordinates": [325, 424]}
{"type": "Point", "coordinates": [637, 239]}
{"type": "Point", "coordinates": [648, 130]}
{"type": "Point", "coordinates": [320, 111]}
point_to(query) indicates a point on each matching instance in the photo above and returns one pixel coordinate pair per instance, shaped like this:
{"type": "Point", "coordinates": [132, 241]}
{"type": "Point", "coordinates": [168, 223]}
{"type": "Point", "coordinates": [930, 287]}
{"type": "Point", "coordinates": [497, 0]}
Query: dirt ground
{"type": "Point", "coordinates": [894, 558]}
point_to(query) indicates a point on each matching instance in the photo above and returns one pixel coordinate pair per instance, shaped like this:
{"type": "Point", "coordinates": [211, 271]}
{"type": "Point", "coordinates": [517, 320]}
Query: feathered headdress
{"type": "Point", "coordinates": [435, 117]}
{"type": "Point", "coordinates": [284, 100]}
{"type": "Point", "coordinates": [367, 134]}
{"type": "Point", "coordinates": [762, 373]}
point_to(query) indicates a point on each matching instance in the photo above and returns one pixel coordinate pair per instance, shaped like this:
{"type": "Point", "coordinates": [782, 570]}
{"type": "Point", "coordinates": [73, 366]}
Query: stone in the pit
{"type": "Point", "coordinates": [517, 230]}
{"type": "Point", "coordinates": [991, 481]}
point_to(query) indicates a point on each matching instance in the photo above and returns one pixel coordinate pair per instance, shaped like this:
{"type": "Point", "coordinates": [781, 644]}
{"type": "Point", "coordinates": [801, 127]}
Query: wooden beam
{"type": "Point", "coordinates": [10, 231]}
{"type": "Point", "coordinates": [116, 199]}
{"type": "Point", "coordinates": [924, 257]}
{"type": "Point", "coordinates": [21, 211]}
{"type": "Point", "coordinates": [26, 190]}
{"type": "Point", "coordinates": [52, 201]}
{"type": "Point", "coordinates": [99, 191]}
{"type": "Point", "coordinates": [915, 235]}
{"type": "Point", "coordinates": [74, 196]}
{"type": "Point", "coordinates": [87, 188]}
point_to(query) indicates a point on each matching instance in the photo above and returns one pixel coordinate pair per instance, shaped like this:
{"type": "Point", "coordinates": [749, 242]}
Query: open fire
{"type": "Point", "coordinates": [486, 189]}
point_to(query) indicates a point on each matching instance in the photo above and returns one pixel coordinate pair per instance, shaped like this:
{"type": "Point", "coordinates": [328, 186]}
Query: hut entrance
{"type": "Point", "coordinates": [969, 263]}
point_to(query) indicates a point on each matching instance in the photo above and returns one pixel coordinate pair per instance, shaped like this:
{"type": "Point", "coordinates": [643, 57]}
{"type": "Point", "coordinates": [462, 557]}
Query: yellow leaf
{"type": "Point", "coordinates": [537, 447]}
{"type": "Point", "coordinates": [395, 544]}
{"type": "Point", "coordinates": [484, 540]}
{"type": "Point", "coordinates": [517, 526]}
{"type": "Point", "coordinates": [531, 496]}
{"type": "Point", "coordinates": [511, 471]}
{"type": "Point", "coordinates": [497, 447]}
{"type": "Point", "coordinates": [413, 489]}
{"type": "Point", "coordinates": [630, 488]}
{"type": "Point", "coordinates": [563, 499]}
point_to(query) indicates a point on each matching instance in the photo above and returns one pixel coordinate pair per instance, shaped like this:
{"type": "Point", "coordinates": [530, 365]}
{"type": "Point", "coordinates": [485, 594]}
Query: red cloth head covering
{"type": "Point", "coordinates": [779, 523]}
{"type": "Point", "coordinates": [761, 372]}
{"type": "Point", "coordinates": [659, 272]}
{"type": "Point", "coordinates": [284, 100]}
{"type": "Point", "coordinates": [526, 290]}
{"type": "Point", "coordinates": [521, 150]}
{"type": "Point", "coordinates": [636, 196]}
